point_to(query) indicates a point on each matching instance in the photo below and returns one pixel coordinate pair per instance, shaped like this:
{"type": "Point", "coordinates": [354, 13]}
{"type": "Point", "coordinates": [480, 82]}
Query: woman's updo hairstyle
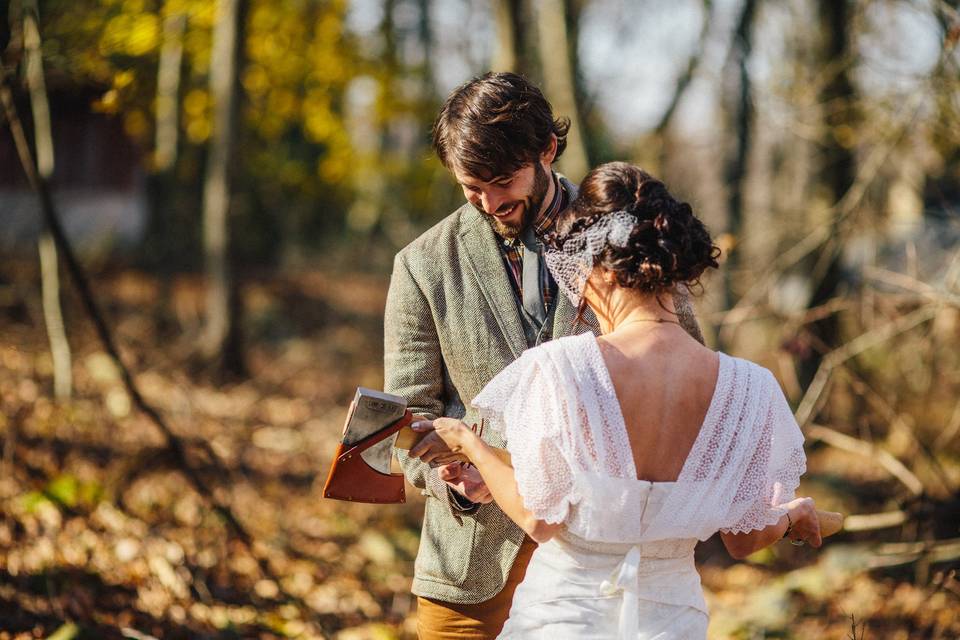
{"type": "Point", "coordinates": [667, 247]}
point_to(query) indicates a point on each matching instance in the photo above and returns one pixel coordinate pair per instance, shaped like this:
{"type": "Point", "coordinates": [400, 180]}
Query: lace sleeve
{"type": "Point", "coordinates": [524, 403]}
{"type": "Point", "coordinates": [774, 470]}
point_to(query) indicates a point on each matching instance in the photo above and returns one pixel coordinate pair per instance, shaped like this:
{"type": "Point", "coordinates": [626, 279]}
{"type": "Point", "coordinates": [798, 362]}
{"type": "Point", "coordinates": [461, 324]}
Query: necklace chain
{"type": "Point", "coordinates": [656, 320]}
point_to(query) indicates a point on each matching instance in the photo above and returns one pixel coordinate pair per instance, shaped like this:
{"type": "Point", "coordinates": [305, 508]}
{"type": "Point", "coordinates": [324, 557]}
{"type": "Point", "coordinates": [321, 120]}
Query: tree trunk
{"type": "Point", "coordinates": [164, 235]}
{"type": "Point", "coordinates": [5, 32]}
{"type": "Point", "coordinates": [426, 37]}
{"type": "Point", "coordinates": [738, 105]}
{"type": "Point", "coordinates": [49, 263]}
{"type": "Point", "coordinates": [370, 179]}
{"type": "Point", "coordinates": [168, 91]}
{"type": "Point", "coordinates": [686, 77]}
{"type": "Point", "coordinates": [944, 188]}
{"type": "Point", "coordinates": [220, 341]}
{"type": "Point", "coordinates": [559, 81]}
{"type": "Point", "coordinates": [511, 53]}
{"type": "Point", "coordinates": [662, 130]}
{"type": "Point", "coordinates": [836, 171]}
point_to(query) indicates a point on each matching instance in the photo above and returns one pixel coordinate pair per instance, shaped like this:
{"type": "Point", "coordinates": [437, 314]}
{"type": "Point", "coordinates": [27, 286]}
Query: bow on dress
{"type": "Point", "coordinates": [626, 579]}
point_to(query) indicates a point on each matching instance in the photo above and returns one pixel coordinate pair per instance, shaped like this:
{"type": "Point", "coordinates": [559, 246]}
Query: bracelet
{"type": "Point", "coordinates": [789, 525]}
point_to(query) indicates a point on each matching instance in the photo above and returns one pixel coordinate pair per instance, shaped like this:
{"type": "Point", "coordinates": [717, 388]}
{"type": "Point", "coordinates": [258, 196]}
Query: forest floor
{"type": "Point", "coordinates": [102, 536]}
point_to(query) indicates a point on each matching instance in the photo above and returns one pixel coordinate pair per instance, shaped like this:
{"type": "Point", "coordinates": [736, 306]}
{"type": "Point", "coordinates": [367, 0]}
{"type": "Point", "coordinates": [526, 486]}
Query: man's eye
{"type": "Point", "coordinates": [504, 183]}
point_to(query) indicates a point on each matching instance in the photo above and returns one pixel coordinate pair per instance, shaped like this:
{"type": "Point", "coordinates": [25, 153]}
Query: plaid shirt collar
{"type": "Point", "coordinates": [548, 217]}
{"type": "Point", "coordinates": [512, 248]}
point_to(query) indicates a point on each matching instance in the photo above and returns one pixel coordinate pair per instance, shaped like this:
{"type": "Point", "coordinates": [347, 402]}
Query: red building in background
{"type": "Point", "coordinates": [98, 182]}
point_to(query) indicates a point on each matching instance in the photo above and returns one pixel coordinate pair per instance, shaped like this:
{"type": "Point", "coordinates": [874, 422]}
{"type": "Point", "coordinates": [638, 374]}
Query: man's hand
{"type": "Point", "coordinates": [466, 481]}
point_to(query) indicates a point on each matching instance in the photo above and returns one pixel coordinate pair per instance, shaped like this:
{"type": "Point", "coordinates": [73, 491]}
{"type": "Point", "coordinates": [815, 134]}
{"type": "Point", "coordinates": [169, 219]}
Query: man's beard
{"type": "Point", "coordinates": [531, 206]}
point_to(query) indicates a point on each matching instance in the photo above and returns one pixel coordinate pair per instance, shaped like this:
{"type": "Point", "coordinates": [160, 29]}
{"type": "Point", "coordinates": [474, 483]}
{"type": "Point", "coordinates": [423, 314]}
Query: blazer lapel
{"type": "Point", "coordinates": [479, 243]}
{"type": "Point", "coordinates": [564, 316]}
{"type": "Point", "coordinates": [566, 313]}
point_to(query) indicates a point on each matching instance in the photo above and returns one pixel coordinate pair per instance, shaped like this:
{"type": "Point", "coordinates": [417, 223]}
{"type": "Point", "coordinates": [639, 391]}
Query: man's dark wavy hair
{"type": "Point", "coordinates": [495, 124]}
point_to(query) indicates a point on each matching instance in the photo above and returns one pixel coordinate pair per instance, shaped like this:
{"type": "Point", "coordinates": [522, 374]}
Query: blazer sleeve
{"type": "Point", "coordinates": [413, 369]}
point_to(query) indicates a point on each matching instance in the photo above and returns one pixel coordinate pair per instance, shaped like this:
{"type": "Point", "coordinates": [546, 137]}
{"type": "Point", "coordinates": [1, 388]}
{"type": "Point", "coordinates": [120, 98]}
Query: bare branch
{"type": "Point", "coordinates": [784, 261]}
{"type": "Point", "coordinates": [873, 521]}
{"type": "Point", "coordinates": [883, 457]}
{"type": "Point", "coordinates": [896, 553]}
{"type": "Point", "coordinates": [843, 208]}
{"type": "Point", "coordinates": [953, 427]}
{"type": "Point", "coordinates": [903, 424]}
{"type": "Point", "coordinates": [853, 348]}
{"type": "Point", "coordinates": [903, 281]}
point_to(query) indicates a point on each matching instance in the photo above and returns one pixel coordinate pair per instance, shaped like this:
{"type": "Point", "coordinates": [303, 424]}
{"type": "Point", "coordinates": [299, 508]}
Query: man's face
{"type": "Point", "coordinates": [510, 202]}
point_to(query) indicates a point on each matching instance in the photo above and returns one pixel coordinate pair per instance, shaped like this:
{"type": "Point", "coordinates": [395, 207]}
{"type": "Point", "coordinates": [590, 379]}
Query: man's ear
{"type": "Point", "coordinates": [547, 155]}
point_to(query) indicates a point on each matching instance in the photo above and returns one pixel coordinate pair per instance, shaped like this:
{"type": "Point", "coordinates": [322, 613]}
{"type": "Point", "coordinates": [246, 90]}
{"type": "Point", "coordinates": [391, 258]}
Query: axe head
{"type": "Point", "coordinates": [353, 480]}
{"type": "Point", "coordinates": [361, 469]}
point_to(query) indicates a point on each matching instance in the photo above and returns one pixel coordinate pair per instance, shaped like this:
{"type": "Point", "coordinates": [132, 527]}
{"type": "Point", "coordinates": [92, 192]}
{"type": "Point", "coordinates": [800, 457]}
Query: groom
{"type": "Point", "coordinates": [466, 298]}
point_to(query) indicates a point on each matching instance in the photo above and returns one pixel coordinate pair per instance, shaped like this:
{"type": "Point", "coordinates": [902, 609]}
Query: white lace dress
{"type": "Point", "coordinates": [623, 565]}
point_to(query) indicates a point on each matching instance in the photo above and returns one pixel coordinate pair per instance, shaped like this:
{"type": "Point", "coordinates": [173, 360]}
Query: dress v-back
{"type": "Point", "coordinates": [622, 566]}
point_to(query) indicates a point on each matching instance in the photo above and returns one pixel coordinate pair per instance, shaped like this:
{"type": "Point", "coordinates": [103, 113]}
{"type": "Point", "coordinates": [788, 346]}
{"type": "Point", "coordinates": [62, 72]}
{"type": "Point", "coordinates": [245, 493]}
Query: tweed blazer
{"type": "Point", "coordinates": [452, 323]}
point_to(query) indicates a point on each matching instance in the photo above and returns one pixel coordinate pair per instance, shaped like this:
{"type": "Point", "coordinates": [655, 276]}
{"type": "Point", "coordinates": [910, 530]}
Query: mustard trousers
{"type": "Point", "coordinates": [437, 620]}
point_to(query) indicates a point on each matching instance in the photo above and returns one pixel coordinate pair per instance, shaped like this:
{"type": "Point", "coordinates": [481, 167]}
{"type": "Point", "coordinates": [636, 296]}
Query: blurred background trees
{"type": "Point", "coordinates": [241, 172]}
{"type": "Point", "coordinates": [336, 99]}
{"type": "Point", "coordinates": [783, 122]}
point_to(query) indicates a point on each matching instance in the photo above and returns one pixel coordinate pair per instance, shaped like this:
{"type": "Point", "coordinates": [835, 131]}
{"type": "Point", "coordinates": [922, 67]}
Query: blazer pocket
{"type": "Point", "coordinates": [446, 544]}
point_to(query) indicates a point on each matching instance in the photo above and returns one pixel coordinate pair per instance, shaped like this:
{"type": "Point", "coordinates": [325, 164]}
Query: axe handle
{"type": "Point", "coordinates": [831, 522]}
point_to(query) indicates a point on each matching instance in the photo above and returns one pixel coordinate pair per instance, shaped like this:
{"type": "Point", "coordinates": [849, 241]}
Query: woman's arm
{"type": "Point", "coordinates": [502, 485]}
{"type": "Point", "coordinates": [806, 527]}
{"type": "Point", "coordinates": [494, 466]}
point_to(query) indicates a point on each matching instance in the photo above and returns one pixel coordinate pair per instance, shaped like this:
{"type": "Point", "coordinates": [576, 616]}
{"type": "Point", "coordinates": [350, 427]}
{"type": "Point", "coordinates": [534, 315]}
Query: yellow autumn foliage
{"type": "Point", "coordinates": [298, 64]}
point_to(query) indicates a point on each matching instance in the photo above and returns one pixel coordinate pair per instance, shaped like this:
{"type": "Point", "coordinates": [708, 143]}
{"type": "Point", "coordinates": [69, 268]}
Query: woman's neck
{"type": "Point", "coordinates": [623, 308]}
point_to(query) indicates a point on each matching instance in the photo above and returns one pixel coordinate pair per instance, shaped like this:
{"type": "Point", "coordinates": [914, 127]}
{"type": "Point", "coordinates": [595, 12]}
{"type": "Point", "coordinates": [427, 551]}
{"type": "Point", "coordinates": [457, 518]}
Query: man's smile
{"type": "Point", "coordinates": [509, 212]}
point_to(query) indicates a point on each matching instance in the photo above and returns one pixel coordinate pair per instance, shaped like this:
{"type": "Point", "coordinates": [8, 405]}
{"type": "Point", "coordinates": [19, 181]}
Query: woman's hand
{"type": "Point", "coordinates": [803, 526]}
{"type": "Point", "coordinates": [806, 525]}
{"type": "Point", "coordinates": [455, 434]}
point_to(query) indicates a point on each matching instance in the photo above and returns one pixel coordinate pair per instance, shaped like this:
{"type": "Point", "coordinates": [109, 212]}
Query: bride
{"type": "Point", "coordinates": [625, 450]}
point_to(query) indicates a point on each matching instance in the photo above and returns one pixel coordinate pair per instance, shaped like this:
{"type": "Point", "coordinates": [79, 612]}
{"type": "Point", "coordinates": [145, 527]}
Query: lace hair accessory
{"type": "Point", "coordinates": [572, 264]}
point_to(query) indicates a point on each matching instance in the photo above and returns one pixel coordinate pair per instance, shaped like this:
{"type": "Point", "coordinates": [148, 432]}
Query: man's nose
{"type": "Point", "coordinates": [491, 202]}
